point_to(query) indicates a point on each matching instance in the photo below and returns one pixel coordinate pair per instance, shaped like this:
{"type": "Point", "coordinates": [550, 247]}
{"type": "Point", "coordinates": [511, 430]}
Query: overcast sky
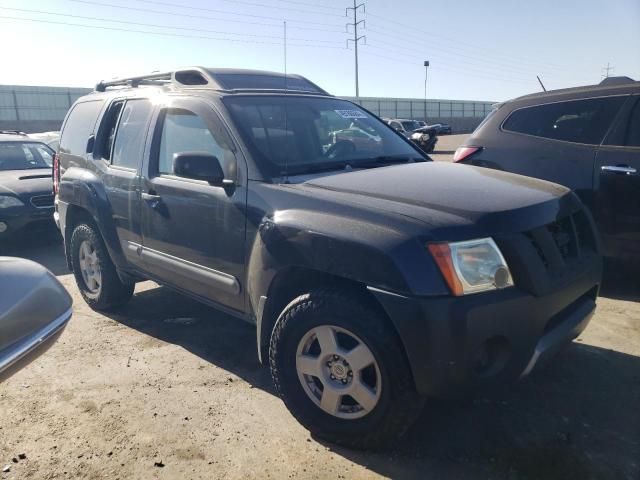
{"type": "Point", "coordinates": [490, 50]}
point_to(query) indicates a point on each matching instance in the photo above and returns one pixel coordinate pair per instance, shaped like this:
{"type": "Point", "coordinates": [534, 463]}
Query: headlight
{"type": "Point", "coordinates": [7, 201]}
{"type": "Point", "coordinates": [472, 266]}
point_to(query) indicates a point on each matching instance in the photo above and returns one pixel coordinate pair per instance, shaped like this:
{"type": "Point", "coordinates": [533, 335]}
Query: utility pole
{"type": "Point", "coordinates": [426, 75]}
{"type": "Point", "coordinates": [607, 69]}
{"type": "Point", "coordinates": [356, 38]}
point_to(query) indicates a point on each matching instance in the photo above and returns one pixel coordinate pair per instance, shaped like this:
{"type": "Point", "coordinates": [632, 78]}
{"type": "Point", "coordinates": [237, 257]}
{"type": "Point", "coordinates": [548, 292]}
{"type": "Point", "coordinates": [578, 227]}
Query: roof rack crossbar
{"type": "Point", "coordinates": [155, 78]}
{"type": "Point", "coordinates": [13, 132]}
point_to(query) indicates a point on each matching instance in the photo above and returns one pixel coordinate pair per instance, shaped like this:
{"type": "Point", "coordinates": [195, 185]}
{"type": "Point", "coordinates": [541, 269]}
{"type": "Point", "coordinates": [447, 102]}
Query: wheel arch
{"type": "Point", "coordinates": [291, 282]}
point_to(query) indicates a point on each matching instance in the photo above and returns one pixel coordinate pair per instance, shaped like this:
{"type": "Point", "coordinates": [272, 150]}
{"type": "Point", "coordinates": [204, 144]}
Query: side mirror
{"type": "Point", "coordinates": [34, 309]}
{"type": "Point", "coordinates": [198, 166]}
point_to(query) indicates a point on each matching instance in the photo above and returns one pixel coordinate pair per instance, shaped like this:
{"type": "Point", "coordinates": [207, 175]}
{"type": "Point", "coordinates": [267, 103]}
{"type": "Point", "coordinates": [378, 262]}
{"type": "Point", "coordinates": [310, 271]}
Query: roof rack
{"type": "Point", "coordinates": [13, 132]}
{"type": "Point", "coordinates": [191, 76]}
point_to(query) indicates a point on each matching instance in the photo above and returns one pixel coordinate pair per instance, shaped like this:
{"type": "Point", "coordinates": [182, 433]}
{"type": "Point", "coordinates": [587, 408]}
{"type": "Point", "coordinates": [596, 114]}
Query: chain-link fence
{"type": "Point", "coordinates": [36, 109]}
{"type": "Point", "coordinates": [462, 115]}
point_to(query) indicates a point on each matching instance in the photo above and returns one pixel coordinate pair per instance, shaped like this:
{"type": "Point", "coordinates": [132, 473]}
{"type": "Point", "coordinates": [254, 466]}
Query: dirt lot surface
{"type": "Point", "coordinates": [167, 388]}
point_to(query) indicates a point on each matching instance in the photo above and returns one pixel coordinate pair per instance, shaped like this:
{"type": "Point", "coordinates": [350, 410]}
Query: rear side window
{"type": "Point", "coordinates": [580, 121]}
{"type": "Point", "coordinates": [130, 137]}
{"type": "Point", "coordinates": [78, 127]}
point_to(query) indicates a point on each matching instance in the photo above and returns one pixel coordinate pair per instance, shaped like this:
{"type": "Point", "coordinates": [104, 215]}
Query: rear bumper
{"type": "Point", "coordinates": [454, 344]}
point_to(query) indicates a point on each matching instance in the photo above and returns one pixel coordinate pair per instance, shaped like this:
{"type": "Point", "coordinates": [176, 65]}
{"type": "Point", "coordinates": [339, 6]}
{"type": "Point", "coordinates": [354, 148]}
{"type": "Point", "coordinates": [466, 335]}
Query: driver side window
{"type": "Point", "coordinates": [185, 131]}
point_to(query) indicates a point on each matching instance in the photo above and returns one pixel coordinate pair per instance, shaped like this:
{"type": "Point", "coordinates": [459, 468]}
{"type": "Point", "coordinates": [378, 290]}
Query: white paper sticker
{"type": "Point", "coordinates": [351, 114]}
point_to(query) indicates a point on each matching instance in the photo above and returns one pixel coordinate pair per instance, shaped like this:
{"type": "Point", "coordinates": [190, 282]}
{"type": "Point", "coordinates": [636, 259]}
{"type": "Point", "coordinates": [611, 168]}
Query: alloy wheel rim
{"type": "Point", "coordinates": [90, 267]}
{"type": "Point", "coordinates": [338, 372]}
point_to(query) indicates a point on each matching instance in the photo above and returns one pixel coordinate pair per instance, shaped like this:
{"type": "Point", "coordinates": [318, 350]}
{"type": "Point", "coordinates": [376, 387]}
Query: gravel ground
{"type": "Point", "coordinates": [168, 388]}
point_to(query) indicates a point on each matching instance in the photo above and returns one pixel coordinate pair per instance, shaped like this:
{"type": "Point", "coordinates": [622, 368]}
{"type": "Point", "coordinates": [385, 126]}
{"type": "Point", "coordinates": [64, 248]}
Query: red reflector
{"type": "Point", "coordinates": [464, 152]}
{"type": "Point", "coordinates": [56, 173]}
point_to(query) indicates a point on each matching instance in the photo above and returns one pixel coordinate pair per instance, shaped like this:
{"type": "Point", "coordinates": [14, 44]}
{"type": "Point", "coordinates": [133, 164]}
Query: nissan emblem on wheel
{"type": "Point", "coordinates": [375, 277]}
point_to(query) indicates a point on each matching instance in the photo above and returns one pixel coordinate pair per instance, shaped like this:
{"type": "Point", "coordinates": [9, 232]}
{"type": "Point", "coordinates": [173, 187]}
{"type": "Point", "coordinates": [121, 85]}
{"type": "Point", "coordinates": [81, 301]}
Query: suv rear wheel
{"type": "Point", "coordinates": [95, 274]}
{"type": "Point", "coordinates": [341, 372]}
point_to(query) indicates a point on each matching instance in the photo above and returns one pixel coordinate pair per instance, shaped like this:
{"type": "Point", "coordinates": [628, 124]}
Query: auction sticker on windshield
{"type": "Point", "coordinates": [351, 114]}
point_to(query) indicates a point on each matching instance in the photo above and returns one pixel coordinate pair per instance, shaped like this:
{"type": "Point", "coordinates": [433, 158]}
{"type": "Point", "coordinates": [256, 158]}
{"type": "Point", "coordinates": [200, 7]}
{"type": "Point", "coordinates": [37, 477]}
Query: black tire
{"type": "Point", "coordinates": [398, 405]}
{"type": "Point", "coordinates": [113, 292]}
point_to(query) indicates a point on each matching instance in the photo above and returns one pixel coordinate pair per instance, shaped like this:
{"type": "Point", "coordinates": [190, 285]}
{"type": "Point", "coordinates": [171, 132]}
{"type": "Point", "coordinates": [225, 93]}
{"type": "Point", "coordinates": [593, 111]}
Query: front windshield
{"type": "Point", "coordinates": [24, 156]}
{"type": "Point", "coordinates": [293, 134]}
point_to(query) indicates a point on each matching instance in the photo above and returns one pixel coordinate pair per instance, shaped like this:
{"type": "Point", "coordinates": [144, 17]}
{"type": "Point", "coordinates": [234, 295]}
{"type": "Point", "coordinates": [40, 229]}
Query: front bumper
{"type": "Point", "coordinates": [454, 344]}
{"type": "Point", "coordinates": [20, 219]}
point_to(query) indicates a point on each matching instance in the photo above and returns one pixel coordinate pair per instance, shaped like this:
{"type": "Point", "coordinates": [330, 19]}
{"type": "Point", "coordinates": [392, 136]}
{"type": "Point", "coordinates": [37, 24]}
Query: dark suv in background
{"type": "Point", "coordinates": [586, 138]}
{"type": "Point", "coordinates": [371, 282]}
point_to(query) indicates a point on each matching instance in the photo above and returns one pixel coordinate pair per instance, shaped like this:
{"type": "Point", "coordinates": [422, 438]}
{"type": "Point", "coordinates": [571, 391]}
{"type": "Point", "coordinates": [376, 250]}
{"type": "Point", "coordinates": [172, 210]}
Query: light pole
{"type": "Point", "coordinates": [426, 75]}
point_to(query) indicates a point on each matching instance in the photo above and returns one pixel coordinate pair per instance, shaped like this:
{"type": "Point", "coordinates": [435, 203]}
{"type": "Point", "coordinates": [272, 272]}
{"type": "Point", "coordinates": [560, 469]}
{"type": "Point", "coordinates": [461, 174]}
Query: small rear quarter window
{"type": "Point", "coordinates": [78, 126]}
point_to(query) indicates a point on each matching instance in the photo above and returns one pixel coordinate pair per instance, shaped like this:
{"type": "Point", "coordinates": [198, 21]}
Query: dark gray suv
{"type": "Point", "coordinates": [370, 281]}
{"type": "Point", "coordinates": [586, 138]}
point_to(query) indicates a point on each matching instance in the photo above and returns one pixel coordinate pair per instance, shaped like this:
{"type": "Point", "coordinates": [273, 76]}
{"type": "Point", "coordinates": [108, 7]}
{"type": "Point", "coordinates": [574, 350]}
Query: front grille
{"type": "Point", "coordinates": [544, 259]}
{"type": "Point", "coordinates": [563, 241]}
{"type": "Point", "coordinates": [42, 201]}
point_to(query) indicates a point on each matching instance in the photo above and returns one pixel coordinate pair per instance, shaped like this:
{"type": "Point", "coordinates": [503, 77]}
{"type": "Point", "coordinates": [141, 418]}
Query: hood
{"type": "Point", "coordinates": [26, 183]}
{"type": "Point", "coordinates": [456, 201]}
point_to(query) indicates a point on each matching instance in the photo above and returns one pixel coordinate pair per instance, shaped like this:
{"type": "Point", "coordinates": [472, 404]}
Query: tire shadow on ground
{"type": "Point", "coordinates": [214, 336]}
{"type": "Point", "coordinates": [574, 418]}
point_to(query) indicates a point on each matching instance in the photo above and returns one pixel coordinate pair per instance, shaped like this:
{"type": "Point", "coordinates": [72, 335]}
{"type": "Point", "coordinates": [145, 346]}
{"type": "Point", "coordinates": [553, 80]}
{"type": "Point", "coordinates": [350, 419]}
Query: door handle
{"type": "Point", "coordinates": [619, 169]}
{"type": "Point", "coordinates": [149, 197]}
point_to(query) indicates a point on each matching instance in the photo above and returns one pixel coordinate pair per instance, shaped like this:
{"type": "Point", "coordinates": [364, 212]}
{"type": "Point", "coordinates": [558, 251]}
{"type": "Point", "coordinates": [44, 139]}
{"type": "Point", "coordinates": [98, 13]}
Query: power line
{"type": "Point", "coordinates": [461, 67]}
{"type": "Point", "coordinates": [451, 51]}
{"type": "Point", "coordinates": [225, 12]}
{"type": "Point", "coordinates": [455, 40]}
{"type": "Point", "coordinates": [447, 68]}
{"type": "Point", "coordinates": [295, 3]}
{"type": "Point", "coordinates": [242, 2]}
{"type": "Point", "coordinates": [192, 29]}
{"type": "Point", "coordinates": [165, 34]}
{"type": "Point", "coordinates": [375, 41]}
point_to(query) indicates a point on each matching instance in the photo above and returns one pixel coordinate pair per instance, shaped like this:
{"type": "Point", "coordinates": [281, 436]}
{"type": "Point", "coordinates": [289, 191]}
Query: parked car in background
{"type": "Point", "coordinates": [424, 137]}
{"type": "Point", "coordinates": [372, 282]}
{"type": "Point", "coordinates": [403, 125]}
{"type": "Point", "coordinates": [50, 138]}
{"type": "Point", "coordinates": [441, 128]}
{"type": "Point", "coordinates": [363, 140]}
{"type": "Point", "coordinates": [586, 138]}
{"type": "Point", "coordinates": [45, 137]}
{"type": "Point", "coordinates": [26, 188]}
{"type": "Point", "coordinates": [34, 309]}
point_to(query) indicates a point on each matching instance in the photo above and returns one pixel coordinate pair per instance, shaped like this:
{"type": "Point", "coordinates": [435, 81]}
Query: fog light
{"type": "Point", "coordinates": [3, 227]}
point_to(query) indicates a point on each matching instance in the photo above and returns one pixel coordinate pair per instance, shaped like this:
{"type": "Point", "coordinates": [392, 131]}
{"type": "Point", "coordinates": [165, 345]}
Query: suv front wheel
{"type": "Point", "coordinates": [94, 272]}
{"type": "Point", "coordinates": [341, 372]}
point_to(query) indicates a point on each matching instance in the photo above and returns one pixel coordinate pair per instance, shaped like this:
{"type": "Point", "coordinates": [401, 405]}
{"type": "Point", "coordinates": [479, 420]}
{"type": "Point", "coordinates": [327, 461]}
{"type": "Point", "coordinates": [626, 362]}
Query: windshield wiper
{"type": "Point", "coordinates": [320, 167]}
{"type": "Point", "coordinates": [382, 160]}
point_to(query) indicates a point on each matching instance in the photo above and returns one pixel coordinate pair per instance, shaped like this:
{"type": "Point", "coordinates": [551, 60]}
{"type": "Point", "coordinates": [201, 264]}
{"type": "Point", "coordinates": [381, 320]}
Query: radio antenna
{"type": "Point", "coordinates": [541, 84]}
